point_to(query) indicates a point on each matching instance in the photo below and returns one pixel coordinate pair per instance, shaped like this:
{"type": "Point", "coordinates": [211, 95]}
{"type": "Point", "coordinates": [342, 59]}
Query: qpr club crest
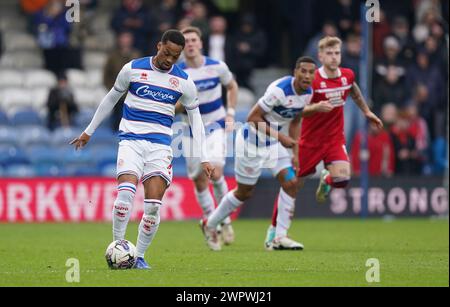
{"type": "Point", "coordinates": [174, 83]}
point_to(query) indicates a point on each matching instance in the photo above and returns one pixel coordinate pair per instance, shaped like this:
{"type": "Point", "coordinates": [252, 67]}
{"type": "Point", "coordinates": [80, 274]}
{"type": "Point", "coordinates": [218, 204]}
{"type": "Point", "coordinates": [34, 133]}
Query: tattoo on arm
{"type": "Point", "coordinates": [358, 98]}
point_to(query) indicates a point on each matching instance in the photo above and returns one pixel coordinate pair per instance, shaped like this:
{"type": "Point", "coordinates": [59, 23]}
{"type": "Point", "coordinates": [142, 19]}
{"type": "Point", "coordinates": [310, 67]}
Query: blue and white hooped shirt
{"type": "Point", "coordinates": [149, 107]}
{"type": "Point", "coordinates": [208, 80]}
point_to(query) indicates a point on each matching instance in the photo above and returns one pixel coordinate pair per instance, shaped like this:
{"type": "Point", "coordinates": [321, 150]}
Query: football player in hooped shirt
{"type": "Point", "coordinates": [153, 86]}
{"type": "Point", "coordinates": [209, 76]}
{"type": "Point", "coordinates": [265, 141]}
{"type": "Point", "coordinates": [322, 131]}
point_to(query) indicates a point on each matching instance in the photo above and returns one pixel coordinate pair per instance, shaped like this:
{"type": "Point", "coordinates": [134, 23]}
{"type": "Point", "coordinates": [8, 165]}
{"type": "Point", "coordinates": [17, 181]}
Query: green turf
{"type": "Point", "coordinates": [411, 253]}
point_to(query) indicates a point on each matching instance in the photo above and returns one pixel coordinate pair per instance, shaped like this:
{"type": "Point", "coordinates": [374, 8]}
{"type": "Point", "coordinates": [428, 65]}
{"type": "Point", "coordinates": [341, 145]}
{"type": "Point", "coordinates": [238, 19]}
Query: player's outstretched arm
{"type": "Point", "coordinates": [294, 133]}
{"type": "Point", "coordinates": [103, 110]}
{"type": "Point", "coordinates": [358, 98]}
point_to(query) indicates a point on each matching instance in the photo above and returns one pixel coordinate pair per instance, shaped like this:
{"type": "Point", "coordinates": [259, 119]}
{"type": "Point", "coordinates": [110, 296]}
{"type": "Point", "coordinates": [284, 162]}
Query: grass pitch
{"type": "Point", "coordinates": [411, 252]}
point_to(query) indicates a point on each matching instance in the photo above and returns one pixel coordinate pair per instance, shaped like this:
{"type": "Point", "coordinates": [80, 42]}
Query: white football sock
{"type": "Point", "coordinates": [286, 207]}
{"type": "Point", "coordinates": [122, 209]}
{"type": "Point", "coordinates": [228, 204]}
{"type": "Point", "coordinates": [206, 201]}
{"type": "Point", "coordinates": [148, 226]}
{"type": "Point", "coordinates": [220, 190]}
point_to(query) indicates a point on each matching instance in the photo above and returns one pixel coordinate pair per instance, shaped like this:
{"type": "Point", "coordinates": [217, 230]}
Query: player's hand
{"type": "Point", "coordinates": [374, 120]}
{"type": "Point", "coordinates": [287, 141]}
{"type": "Point", "coordinates": [324, 106]}
{"type": "Point", "coordinates": [229, 123]}
{"type": "Point", "coordinates": [80, 141]}
{"type": "Point", "coordinates": [208, 169]}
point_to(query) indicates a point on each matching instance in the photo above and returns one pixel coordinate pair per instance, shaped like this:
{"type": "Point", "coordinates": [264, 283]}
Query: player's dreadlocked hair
{"type": "Point", "coordinates": [173, 36]}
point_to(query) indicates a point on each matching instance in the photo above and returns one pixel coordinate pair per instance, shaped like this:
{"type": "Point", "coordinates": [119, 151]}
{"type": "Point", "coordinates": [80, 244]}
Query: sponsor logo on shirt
{"type": "Point", "coordinates": [145, 91]}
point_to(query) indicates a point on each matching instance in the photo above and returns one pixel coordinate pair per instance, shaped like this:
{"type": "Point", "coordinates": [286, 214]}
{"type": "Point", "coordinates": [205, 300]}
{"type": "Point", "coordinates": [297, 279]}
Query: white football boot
{"type": "Point", "coordinates": [270, 236]}
{"type": "Point", "coordinates": [286, 243]}
{"type": "Point", "coordinates": [211, 236]}
{"type": "Point", "coordinates": [227, 234]}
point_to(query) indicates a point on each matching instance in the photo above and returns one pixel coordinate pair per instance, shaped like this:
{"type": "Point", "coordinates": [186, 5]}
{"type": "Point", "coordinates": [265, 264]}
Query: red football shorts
{"type": "Point", "coordinates": [309, 158]}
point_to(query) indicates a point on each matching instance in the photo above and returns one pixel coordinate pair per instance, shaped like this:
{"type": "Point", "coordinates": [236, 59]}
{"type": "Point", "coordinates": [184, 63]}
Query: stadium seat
{"type": "Point", "coordinates": [19, 41]}
{"type": "Point", "coordinates": [39, 78]}
{"type": "Point", "coordinates": [84, 117]}
{"type": "Point", "coordinates": [2, 172]}
{"type": "Point", "coordinates": [14, 98]}
{"type": "Point", "coordinates": [104, 136]}
{"type": "Point", "coordinates": [40, 98]}
{"type": "Point", "coordinates": [10, 20]}
{"type": "Point", "coordinates": [103, 155]}
{"type": "Point", "coordinates": [108, 170]}
{"type": "Point", "coordinates": [11, 155]}
{"type": "Point", "coordinates": [63, 135]}
{"type": "Point", "coordinates": [179, 167]}
{"type": "Point", "coordinates": [103, 40]}
{"type": "Point", "coordinates": [94, 78]}
{"type": "Point", "coordinates": [22, 60]}
{"type": "Point", "coordinates": [4, 120]}
{"type": "Point", "coordinates": [10, 78]}
{"type": "Point", "coordinates": [8, 136]}
{"type": "Point", "coordinates": [77, 169]}
{"type": "Point", "coordinates": [84, 97]}
{"type": "Point", "coordinates": [33, 135]}
{"type": "Point", "coordinates": [94, 60]}
{"type": "Point", "coordinates": [48, 169]}
{"type": "Point", "coordinates": [20, 171]}
{"type": "Point", "coordinates": [69, 155]}
{"type": "Point", "coordinates": [26, 118]}
{"type": "Point", "coordinates": [39, 154]}
{"type": "Point", "coordinates": [76, 78]}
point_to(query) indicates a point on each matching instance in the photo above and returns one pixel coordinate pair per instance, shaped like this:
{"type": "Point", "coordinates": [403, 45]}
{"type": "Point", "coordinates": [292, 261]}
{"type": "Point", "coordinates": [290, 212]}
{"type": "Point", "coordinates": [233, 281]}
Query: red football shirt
{"type": "Point", "coordinates": [327, 128]}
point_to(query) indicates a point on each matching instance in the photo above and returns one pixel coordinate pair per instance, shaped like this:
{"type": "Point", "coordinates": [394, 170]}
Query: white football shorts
{"type": "Point", "coordinates": [215, 147]}
{"type": "Point", "coordinates": [251, 160]}
{"type": "Point", "coordinates": [145, 160]}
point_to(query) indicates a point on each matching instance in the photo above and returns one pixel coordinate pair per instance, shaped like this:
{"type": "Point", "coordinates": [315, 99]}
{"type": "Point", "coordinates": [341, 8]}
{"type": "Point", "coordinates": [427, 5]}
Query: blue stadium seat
{"type": "Point", "coordinates": [103, 155]}
{"type": "Point", "coordinates": [8, 136]}
{"type": "Point", "coordinates": [11, 155]}
{"type": "Point", "coordinates": [4, 120]}
{"type": "Point", "coordinates": [2, 172]}
{"type": "Point", "coordinates": [33, 135]}
{"type": "Point", "coordinates": [20, 171]}
{"type": "Point", "coordinates": [39, 154]}
{"type": "Point", "coordinates": [69, 155]}
{"type": "Point", "coordinates": [109, 170]}
{"type": "Point", "coordinates": [26, 118]}
{"type": "Point", "coordinates": [62, 136]}
{"type": "Point", "coordinates": [81, 169]}
{"type": "Point", "coordinates": [104, 136]}
{"type": "Point", "coordinates": [179, 167]}
{"type": "Point", "coordinates": [48, 169]}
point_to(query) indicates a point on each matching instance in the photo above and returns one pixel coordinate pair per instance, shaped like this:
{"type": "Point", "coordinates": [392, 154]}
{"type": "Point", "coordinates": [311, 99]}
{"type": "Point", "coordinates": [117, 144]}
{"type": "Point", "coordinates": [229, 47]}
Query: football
{"type": "Point", "coordinates": [121, 254]}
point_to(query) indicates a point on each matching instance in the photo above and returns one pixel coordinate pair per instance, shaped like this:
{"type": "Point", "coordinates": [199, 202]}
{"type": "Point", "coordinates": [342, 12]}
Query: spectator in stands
{"type": "Point", "coordinates": [165, 17]}
{"type": "Point", "coordinates": [401, 31]}
{"type": "Point", "coordinates": [408, 160]}
{"type": "Point", "coordinates": [123, 54]}
{"type": "Point", "coordinates": [433, 100]}
{"type": "Point", "coordinates": [53, 31]}
{"type": "Point", "coordinates": [218, 45]}
{"type": "Point", "coordinates": [61, 104]}
{"type": "Point", "coordinates": [381, 153]}
{"type": "Point", "coordinates": [30, 8]}
{"type": "Point", "coordinates": [391, 57]}
{"type": "Point", "coordinates": [381, 30]}
{"type": "Point", "coordinates": [390, 89]}
{"type": "Point", "coordinates": [199, 17]}
{"type": "Point", "coordinates": [249, 46]}
{"type": "Point", "coordinates": [328, 29]}
{"type": "Point", "coordinates": [419, 130]}
{"type": "Point", "coordinates": [134, 17]}
{"type": "Point", "coordinates": [389, 113]}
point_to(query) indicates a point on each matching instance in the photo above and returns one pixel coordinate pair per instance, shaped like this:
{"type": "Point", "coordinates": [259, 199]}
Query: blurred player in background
{"type": "Point", "coordinates": [154, 85]}
{"type": "Point", "coordinates": [209, 76]}
{"type": "Point", "coordinates": [269, 140]}
{"type": "Point", "coordinates": [322, 130]}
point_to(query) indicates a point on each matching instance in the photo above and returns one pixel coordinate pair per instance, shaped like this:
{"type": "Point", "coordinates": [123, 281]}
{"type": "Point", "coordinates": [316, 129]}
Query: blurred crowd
{"type": "Point", "coordinates": [410, 59]}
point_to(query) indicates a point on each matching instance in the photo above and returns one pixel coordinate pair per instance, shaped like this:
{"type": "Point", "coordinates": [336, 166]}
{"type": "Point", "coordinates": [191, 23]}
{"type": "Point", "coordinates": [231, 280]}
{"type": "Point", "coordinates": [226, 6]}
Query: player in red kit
{"type": "Point", "coordinates": [322, 131]}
